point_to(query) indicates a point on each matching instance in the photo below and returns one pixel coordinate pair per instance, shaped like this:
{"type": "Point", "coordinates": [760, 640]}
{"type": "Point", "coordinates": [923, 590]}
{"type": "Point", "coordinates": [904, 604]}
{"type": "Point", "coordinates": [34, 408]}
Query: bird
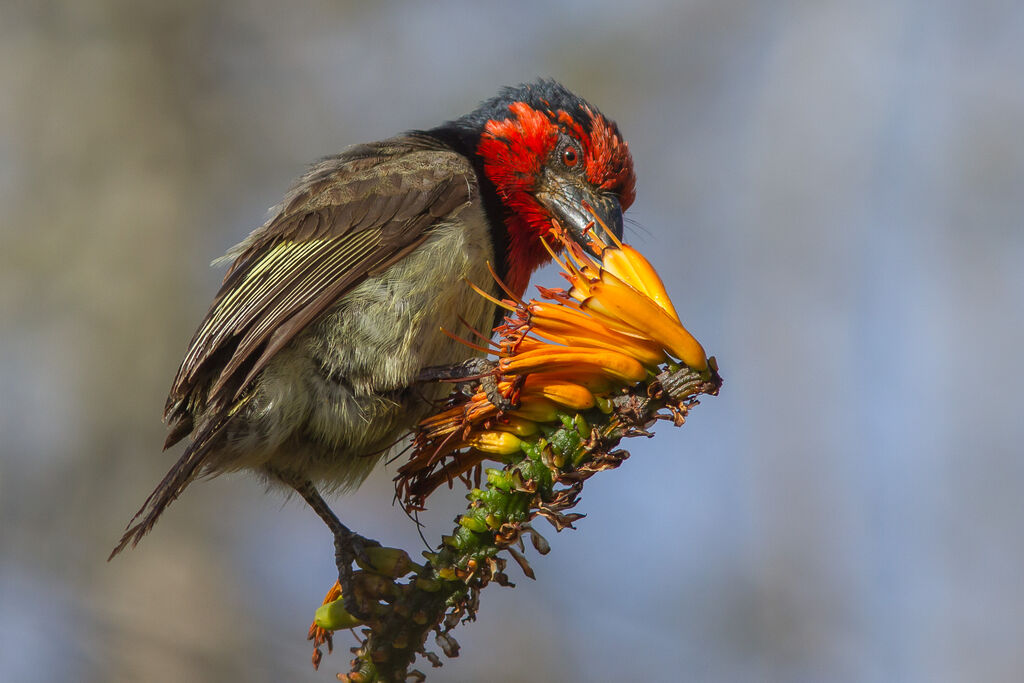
{"type": "Point", "coordinates": [309, 365]}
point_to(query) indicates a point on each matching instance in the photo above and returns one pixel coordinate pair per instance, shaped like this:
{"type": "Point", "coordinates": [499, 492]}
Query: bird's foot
{"type": "Point", "coordinates": [469, 369]}
{"type": "Point", "coordinates": [502, 402]}
{"type": "Point", "coordinates": [350, 547]}
{"type": "Point", "coordinates": [474, 371]}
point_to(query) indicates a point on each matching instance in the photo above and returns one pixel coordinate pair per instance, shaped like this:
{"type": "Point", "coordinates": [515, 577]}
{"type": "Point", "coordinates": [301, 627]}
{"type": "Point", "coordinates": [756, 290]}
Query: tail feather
{"type": "Point", "coordinates": [188, 467]}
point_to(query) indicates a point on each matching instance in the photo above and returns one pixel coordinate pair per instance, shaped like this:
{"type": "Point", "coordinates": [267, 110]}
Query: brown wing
{"type": "Point", "coordinates": [349, 215]}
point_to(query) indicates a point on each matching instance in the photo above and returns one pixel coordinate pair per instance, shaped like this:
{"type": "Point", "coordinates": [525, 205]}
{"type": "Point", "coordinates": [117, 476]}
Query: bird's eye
{"type": "Point", "coordinates": [570, 157]}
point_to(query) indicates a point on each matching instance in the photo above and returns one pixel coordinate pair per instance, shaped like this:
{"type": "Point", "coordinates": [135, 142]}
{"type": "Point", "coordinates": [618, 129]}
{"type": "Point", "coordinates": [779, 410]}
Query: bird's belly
{"type": "Point", "coordinates": [344, 392]}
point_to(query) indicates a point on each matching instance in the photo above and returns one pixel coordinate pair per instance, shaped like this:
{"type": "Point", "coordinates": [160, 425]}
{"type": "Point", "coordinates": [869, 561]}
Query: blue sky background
{"type": "Point", "coordinates": [833, 191]}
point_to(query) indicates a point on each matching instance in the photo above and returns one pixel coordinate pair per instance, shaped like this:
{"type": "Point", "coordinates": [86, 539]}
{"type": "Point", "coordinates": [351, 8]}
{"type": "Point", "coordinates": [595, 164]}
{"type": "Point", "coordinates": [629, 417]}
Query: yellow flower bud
{"type": "Point", "coordinates": [629, 265]}
{"type": "Point", "coordinates": [498, 443]}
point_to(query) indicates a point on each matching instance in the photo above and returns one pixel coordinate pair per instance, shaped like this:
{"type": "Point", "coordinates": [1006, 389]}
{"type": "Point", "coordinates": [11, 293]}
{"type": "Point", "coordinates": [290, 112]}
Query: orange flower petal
{"type": "Point", "coordinates": [590, 377]}
{"type": "Point", "coordinates": [650, 354]}
{"type": "Point", "coordinates": [618, 302]}
{"type": "Point", "coordinates": [629, 265]}
{"type": "Point", "coordinates": [567, 394]}
{"type": "Point", "coordinates": [614, 364]}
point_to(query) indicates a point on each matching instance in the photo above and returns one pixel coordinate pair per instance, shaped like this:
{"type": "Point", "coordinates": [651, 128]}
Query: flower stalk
{"type": "Point", "coordinates": [577, 372]}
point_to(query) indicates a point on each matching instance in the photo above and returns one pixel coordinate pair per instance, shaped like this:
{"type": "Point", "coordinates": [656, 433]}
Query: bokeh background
{"type": "Point", "coordinates": [834, 192]}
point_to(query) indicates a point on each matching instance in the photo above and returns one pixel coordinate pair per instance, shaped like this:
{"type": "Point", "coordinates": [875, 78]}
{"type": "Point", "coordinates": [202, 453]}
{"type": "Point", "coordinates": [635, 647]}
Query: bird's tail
{"type": "Point", "coordinates": [188, 467]}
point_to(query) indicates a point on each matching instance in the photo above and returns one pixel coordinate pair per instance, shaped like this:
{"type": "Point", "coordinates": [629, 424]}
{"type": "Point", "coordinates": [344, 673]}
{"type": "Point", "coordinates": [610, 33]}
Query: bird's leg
{"type": "Point", "coordinates": [480, 369]}
{"type": "Point", "coordinates": [471, 368]}
{"type": "Point", "coordinates": [348, 545]}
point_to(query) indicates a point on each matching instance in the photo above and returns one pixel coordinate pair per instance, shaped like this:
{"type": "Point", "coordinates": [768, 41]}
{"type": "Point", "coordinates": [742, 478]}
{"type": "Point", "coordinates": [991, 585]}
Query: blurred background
{"type": "Point", "coordinates": [834, 192]}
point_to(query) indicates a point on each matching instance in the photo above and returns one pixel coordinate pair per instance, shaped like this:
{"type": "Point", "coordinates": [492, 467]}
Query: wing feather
{"type": "Point", "coordinates": [349, 215]}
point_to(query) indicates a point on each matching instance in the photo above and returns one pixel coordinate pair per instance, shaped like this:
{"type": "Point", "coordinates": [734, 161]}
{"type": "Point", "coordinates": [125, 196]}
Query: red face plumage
{"type": "Point", "coordinates": [515, 152]}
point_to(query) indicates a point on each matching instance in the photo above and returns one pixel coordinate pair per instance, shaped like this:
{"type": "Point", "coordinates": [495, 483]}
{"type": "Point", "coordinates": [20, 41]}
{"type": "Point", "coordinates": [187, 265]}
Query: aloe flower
{"type": "Point", "coordinates": [576, 371]}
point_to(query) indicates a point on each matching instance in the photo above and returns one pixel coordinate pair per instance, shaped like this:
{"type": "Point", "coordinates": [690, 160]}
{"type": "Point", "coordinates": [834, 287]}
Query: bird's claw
{"type": "Point", "coordinates": [489, 383]}
{"type": "Point", "coordinates": [486, 371]}
{"type": "Point", "coordinates": [474, 371]}
{"type": "Point", "coordinates": [350, 547]}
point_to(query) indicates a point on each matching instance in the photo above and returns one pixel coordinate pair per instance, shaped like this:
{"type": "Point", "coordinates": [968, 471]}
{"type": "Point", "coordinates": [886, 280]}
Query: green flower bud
{"type": "Point", "coordinates": [392, 562]}
{"type": "Point", "coordinates": [333, 616]}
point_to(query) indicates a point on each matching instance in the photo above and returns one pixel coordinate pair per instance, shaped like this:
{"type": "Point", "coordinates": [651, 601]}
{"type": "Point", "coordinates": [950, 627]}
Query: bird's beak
{"type": "Point", "coordinates": [569, 203]}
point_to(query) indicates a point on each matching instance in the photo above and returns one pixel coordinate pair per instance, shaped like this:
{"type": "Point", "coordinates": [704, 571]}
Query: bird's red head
{"type": "Point", "coordinates": [549, 156]}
